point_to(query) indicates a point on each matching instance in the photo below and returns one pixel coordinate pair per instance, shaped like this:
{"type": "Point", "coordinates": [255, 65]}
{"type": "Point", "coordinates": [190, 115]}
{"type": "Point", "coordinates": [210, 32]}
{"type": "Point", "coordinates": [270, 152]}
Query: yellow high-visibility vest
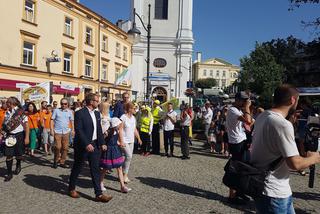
{"type": "Point", "coordinates": [145, 124]}
{"type": "Point", "coordinates": [156, 115]}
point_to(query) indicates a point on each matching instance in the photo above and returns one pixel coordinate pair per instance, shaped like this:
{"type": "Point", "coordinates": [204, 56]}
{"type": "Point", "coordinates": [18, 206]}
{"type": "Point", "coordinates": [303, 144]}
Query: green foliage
{"type": "Point", "coordinates": [261, 73]}
{"type": "Point", "coordinates": [205, 83]}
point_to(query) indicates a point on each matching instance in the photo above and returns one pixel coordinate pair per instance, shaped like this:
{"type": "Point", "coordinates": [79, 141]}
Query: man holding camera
{"type": "Point", "coordinates": [274, 142]}
{"type": "Point", "coordinates": [238, 116]}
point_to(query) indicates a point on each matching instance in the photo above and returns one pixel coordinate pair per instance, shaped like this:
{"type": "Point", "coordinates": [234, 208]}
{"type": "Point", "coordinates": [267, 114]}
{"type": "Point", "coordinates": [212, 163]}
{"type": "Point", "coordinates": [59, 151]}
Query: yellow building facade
{"type": "Point", "coordinates": [63, 42]}
{"type": "Point", "coordinates": [223, 72]}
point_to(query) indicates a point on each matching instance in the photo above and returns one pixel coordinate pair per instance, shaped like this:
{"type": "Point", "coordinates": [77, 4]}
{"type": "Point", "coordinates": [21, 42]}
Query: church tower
{"type": "Point", "coordinates": [171, 48]}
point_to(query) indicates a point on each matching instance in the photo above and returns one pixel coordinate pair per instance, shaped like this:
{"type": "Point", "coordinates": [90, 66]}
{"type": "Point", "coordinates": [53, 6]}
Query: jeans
{"type": "Point", "coordinates": [128, 152]}
{"type": "Point", "coordinates": [145, 138]}
{"type": "Point", "coordinates": [168, 140]}
{"type": "Point", "coordinates": [269, 205]}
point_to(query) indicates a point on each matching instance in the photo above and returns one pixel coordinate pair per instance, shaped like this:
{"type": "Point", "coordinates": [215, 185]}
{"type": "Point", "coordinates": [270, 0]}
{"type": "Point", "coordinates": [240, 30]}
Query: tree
{"type": "Point", "coordinates": [206, 83]}
{"type": "Point", "coordinates": [315, 23]}
{"type": "Point", "coordinates": [261, 73]}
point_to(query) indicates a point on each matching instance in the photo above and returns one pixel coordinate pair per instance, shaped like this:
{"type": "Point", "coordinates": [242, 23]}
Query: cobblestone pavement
{"type": "Point", "coordinates": [160, 185]}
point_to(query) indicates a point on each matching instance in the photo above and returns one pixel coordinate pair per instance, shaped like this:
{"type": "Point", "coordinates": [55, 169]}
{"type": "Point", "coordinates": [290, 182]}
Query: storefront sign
{"type": "Point", "coordinates": [156, 83]}
{"type": "Point", "coordinates": [159, 63]}
{"type": "Point", "coordinates": [67, 87]}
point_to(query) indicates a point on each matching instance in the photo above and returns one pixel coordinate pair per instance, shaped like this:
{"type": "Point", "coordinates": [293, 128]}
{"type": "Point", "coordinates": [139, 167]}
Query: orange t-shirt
{"type": "Point", "coordinates": [33, 120]}
{"type": "Point", "coordinates": [2, 116]}
{"type": "Point", "coordinates": [46, 119]}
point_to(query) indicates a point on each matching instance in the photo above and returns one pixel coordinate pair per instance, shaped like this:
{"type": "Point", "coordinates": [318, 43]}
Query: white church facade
{"type": "Point", "coordinates": [171, 48]}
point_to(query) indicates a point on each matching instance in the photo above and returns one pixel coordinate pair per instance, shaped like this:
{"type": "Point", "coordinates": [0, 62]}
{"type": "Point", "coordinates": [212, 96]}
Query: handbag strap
{"type": "Point", "coordinates": [274, 164]}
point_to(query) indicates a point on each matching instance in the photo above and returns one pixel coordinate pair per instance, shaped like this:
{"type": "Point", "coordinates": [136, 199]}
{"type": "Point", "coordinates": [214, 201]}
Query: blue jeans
{"type": "Point", "coordinates": [269, 205]}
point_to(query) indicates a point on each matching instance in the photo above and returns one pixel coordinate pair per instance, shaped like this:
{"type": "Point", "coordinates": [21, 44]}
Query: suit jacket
{"type": "Point", "coordinates": [83, 126]}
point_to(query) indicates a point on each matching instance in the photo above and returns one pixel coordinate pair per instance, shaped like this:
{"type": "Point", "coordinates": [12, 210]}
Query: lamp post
{"type": "Point", "coordinates": [179, 75]}
{"type": "Point", "coordinates": [135, 33]}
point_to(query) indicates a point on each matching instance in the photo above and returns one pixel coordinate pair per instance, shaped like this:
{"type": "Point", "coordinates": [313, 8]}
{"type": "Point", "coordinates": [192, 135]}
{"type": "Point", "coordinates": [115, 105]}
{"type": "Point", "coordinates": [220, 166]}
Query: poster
{"type": "Point", "coordinates": [37, 93]}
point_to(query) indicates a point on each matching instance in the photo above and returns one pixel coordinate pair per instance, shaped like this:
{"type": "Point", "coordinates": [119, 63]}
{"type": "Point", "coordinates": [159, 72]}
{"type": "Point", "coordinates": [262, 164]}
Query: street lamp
{"type": "Point", "coordinates": [135, 33]}
{"type": "Point", "coordinates": [179, 75]}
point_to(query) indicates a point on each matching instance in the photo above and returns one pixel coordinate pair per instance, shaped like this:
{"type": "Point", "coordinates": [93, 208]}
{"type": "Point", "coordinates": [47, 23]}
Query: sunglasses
{"type": "Point", "coordinates": [64, 104]}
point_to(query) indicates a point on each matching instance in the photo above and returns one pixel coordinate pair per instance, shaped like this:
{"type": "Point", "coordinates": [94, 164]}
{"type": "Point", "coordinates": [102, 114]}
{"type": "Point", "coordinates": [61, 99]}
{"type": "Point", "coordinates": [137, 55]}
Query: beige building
{"type": "Point", "coordinates": [63, 42]}
{"type": "Point", "coordinates": [223, 72]}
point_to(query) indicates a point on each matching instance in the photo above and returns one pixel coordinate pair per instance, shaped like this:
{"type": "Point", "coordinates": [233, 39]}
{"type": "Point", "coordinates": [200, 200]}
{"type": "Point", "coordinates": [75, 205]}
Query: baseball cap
{"type": "Point", "coordinates": [242, 95]}
{"type": "Point", "coordinates": [157, 102]}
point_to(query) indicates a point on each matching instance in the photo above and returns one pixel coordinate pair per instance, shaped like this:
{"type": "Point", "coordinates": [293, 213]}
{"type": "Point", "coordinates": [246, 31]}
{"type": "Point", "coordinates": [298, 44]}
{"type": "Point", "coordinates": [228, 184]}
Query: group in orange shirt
{"type": "Point", "coordinates": [47, 139]}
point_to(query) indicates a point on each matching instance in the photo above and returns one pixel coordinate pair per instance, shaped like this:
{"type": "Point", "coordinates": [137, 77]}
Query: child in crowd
{"type": "Point", "coordinates": [212, 133]}
{"type": "Point", "coordinates": [113, 158]}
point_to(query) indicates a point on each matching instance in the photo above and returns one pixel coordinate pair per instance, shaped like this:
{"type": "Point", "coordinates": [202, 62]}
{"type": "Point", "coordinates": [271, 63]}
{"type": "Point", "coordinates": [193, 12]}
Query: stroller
{"type": "Point", "coordinates": [312, 139]}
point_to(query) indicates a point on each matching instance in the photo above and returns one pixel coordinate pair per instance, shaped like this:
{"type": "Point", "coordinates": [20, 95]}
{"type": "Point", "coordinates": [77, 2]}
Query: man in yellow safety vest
{"type": "Point", "coordinates": [157, 114]}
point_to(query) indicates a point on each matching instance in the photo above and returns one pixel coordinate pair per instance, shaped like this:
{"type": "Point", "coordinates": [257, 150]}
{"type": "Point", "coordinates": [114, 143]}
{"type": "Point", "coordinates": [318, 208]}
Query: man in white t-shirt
{"type": "Point", "coordinates": [207, 116]}
{"type": "Point", "coordinates": [273, 138]}
{"type": "Point", "coordinates": [169, 120]}
{"type": "Point", "coordinates": [238, 115]}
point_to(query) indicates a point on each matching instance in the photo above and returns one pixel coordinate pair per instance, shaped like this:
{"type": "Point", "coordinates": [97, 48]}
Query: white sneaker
{"type": "Point", "coordinates": [125, 189]}
{"type": "Point", "coordinates": [126, 180]}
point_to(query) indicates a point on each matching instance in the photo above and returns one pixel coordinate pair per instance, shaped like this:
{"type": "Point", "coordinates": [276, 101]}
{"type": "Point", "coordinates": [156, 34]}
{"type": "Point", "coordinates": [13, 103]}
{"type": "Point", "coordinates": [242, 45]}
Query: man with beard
{"type": "Point", "coordinates": [274, 142]}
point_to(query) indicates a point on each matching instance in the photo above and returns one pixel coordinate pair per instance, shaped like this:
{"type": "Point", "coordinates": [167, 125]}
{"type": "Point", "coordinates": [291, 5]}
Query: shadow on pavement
{"type": "Point", "coordinates": [50, 184]}
{"type": "Point", "coordinates": [304, 211]}
{"type": "Point", "coordinates": [180, 188]}
{"type": "Point", "coordinates": [307, 196]}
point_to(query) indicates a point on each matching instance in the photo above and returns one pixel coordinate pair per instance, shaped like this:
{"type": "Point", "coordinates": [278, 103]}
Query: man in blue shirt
{"type": "Point", "coordinates": [61, 126]}
{"type": "Point", "coordinates": [119, 108]}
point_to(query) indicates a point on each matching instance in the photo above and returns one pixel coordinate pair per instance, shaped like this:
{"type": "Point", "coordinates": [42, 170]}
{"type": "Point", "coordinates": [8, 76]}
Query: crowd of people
{"type": "Point", "coordinates": [106, 135]}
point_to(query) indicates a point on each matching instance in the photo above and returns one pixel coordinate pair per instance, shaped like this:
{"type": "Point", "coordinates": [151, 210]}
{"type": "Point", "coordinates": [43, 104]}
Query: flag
{"type": "Point", "coordinates": [125, 75]}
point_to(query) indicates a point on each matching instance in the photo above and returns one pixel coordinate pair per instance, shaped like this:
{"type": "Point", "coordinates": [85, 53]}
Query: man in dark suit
{"type": "Point", "coordinates": [87, 145]}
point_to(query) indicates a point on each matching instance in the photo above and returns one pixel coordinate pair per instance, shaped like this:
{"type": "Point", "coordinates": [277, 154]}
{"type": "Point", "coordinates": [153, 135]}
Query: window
{"type": "Point", "coordinates": [223, 83]}
{"type": "Point", "coordinates": [28, 53]}
{"type": "Point", "coordinates": [217, 74]}
{"type": "Point", "coordinates": [117, 72]}
{"type": "Point", "coordinates": [68, 26]}
{"type": "Point", "coordinates": [88, 68]}
{"type": "Point", "coordinates": [211, 73]}
{"type": "Point", "coordinates": [29, 10]}
{"type": "Point", "coordinates": [224, 73]}
{"type": "Point", "coordinates": [118, 50]}
{"type": "Point", "coordinates": [88, 36]}
{"type": "Point", "coordinates": [104, 43]}
{"type": "Point", "coordinates": [125, 53]}
{"type": "Point", "coordinates": [161, 9]}
{"type": "Point", "coordinates": [67, 62]}
{"type": "Point", "coordinates": [204, 72]}
{"type": "Point", "coordinates": [104, 71]}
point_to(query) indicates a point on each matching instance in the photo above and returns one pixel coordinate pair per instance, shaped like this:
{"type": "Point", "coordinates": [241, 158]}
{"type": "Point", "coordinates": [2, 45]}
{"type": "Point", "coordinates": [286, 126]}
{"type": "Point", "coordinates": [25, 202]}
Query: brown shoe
{"type": "Point", "coordinates": [74, 194]}
{"type": "Point", "coordinates": [104, 198]}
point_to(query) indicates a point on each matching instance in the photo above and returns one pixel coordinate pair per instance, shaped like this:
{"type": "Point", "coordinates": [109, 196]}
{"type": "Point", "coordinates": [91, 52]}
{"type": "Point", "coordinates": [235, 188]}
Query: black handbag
{"type": "Point", "coordinates": [245, 178]}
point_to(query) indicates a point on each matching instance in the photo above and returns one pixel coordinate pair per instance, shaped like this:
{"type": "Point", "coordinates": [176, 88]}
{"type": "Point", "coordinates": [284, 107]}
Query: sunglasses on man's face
{"type": "Point", "coordinates": [64, 104]}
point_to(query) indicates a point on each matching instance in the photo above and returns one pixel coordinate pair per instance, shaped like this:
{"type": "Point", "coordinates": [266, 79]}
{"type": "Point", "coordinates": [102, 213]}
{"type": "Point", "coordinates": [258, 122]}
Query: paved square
{"type": "Point", "coordinates": [160, 185]}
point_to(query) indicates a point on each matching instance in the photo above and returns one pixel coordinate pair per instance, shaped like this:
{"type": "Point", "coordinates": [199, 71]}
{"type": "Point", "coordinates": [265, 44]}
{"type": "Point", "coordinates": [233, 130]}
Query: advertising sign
{"type": "Point", "coordinates": [37, 93]}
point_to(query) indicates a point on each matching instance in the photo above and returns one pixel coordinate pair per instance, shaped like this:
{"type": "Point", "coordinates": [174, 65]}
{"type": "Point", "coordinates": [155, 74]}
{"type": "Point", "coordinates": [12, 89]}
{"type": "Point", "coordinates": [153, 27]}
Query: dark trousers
{"type": "Point", "coordinates": [156, 139]}
{"type": "Point", "coordinates": [240, 151]}
{"type": "Point", "coordinates": [168, 140]}
{"type": "Point", "coordinates": [80, 155]}
{"type": "Point", "coordinates": [145, 138]}
{"type": "Point", "coordinates": [184, 141]}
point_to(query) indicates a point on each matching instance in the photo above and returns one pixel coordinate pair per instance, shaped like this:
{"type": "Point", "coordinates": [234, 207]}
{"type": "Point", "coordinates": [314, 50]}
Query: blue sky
{"type": "Point", "coordinates": [228, 29]}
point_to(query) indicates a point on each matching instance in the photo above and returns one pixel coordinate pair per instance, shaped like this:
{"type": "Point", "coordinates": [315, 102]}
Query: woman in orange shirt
{"type": "Point", "coordinates": [46, 124]}
{"type": "Point", "coordinates": [3, 110]}
{"type": "Point", "coordinates": [33, 122]}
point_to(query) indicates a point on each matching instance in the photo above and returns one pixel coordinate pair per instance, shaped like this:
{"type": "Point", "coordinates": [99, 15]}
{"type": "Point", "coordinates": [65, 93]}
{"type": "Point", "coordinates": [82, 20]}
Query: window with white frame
{"type": "Point", "coordinates": [117, 72]}
{"type": "Point", "coordinates": [223, 83]}
{"type": "Point", "coordinates": [29, 10]}
{"type": "Point", "coordinates": [125, 53]}
{"type": "Point", "coordinates": [104, 45]}
{"type": "Point", "coordinates": [67, 62]}
{"type": "Point", "coordinates": [28, 53]}
{"type": "Point", "coordinates": [88, 36]}
{"type": "Point", "coordinates": [204, 72]}
{"type": "Point", "coordinates": [68, 26]}
{"type": "Point", "coordinates": [161, 9]}
{"type": "Point", "coordinates": [104, 72]}
{"type": "Point", "coordinates": [218, 74]}
{"type": "Point", "coordinates": [88, 68]}
{"type": "Point", "coordinates": [118, 46]}
{"type": "Point", "coordinates": [223, 73]}
{"type": "Point", "coordinates": [211, 73]}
